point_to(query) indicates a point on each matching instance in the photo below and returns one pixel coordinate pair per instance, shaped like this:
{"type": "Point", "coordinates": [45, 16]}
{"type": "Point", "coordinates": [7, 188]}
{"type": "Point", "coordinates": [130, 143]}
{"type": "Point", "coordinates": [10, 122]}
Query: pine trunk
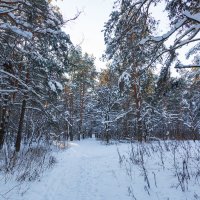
{"type": "Point", "coordinates": [82, 94]}
{"type": "Point", "coordinates": [137, 97]}
{"type": "Point", "coordinates": [21, 120]}
{"type": "Point", "coordinates": [3, 122]}
{"type": "Point", "coordinates": [20, 128]}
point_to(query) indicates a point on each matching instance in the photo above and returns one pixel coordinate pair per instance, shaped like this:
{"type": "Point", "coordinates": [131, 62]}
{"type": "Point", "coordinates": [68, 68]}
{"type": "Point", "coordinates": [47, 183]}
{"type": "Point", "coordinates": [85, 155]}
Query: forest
{"type": "Point", "coordinates": [51, 91]}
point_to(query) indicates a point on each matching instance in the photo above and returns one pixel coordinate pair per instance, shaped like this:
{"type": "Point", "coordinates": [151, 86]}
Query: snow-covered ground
{"type": "Point", "coordinates": [163, 170]}
{"type": "Point", "coordinates": [90, 170]}
{"type": "Point", "coordinates": [87, 170]}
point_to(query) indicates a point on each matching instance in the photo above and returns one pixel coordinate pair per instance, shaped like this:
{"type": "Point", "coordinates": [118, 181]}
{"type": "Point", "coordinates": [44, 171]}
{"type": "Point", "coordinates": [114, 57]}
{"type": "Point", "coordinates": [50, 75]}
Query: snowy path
{"type": "Point", "coordinates": [86, 171]}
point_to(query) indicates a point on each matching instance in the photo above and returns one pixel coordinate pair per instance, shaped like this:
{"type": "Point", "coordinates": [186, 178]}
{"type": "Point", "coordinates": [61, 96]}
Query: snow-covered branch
{"type": "Point", "coordinates": [195, 17]}
{"type": "Point", "coordinates": [178, 25]}
{"type": "Point", "coordinates": [180, 66]}
{"type": "Point", "coordinates": [164, 36]}
{"type": "Point", "coordinates": [15, 29]}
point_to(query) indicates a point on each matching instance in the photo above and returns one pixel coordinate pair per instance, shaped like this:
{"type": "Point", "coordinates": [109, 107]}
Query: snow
{"type": "Point", "coordinates": [91, 170]}
{"type": "Point", "coordinates": [195, 17]}
{"type": "Point", "coordinates": [59, 85]}
{"type": "Point", "coordinates": [52, 86]}
{"type": "Point", "coordinates": [48, 30]}
{"type": "Point", "coordinates": [180, 23]}
{"type": "Point", "coordinates": [120, 116]}
{"type": "Point", "coordinates": [164, 36]}
{"type": "Point", "coordinates": [55, 85]}
{"type": "Point", "coordinates": [125, 77]}
{"type": "Point", "coordinates": [7, 91]}
{"type": "Point", "coordinates": [7, 11]}
{"type": "Point", "coordinates": [87, 170]}
{"type": "Point", "coordinates": [16, 30]}
{"type": "Point", "coordinates": [19, 21]}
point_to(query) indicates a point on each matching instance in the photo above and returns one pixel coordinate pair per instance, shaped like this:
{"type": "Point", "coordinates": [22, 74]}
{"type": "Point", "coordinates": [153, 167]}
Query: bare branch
{"type": "Point", "coordinates": [179, 66]}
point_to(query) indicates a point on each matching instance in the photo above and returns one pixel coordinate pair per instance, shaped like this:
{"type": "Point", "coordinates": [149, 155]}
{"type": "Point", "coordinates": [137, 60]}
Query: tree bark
{"type": "Point", "coordinates": [82, 94]}
{"type": "Point", "coordinates": [21, 120]}
{"type": "Point", "coordinates": [3, 121]}
{"type": "Point", "coordinates": [137, 96]}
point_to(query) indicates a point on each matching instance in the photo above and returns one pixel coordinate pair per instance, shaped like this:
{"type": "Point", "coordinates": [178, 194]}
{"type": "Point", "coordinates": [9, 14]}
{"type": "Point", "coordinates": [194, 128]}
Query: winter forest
{"type": "Point", "coordinates": [134, 117]}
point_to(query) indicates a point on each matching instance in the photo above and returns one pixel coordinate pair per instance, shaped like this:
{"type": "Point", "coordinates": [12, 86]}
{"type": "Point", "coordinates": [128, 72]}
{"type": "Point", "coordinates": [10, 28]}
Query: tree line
{"type": "Point", "coordinates": [50, 89]}
{"type": "Point", "coordinates": [155, 105]}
